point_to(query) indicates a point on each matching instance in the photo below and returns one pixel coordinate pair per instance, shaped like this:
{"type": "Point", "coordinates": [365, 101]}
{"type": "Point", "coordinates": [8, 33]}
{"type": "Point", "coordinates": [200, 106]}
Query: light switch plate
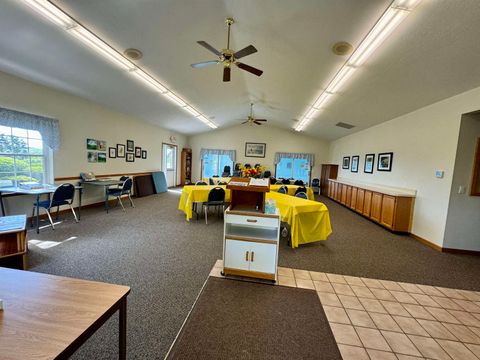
{"type": "Point", "coordinates": [439, 174]}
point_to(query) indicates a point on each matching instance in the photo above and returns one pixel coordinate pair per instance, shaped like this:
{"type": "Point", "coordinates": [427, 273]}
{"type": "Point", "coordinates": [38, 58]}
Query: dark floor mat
{"type": "Point", "coordinates": [241, 320]}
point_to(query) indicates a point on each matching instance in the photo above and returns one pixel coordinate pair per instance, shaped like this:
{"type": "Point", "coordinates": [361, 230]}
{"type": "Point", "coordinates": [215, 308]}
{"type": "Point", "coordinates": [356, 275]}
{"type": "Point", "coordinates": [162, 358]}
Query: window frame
{"type": "Point", "coordinates": [220, 171]}
{"type": "Point", "coordinates": [47, 155]}
{"type": "Point", "coordinates": [293, 169]}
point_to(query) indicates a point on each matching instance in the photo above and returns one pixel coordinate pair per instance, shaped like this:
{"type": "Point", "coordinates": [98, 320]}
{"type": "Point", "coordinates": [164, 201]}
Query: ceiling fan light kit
{"type": "Point", "coordinates": [227, 57]}
{"type": "Point", "coordinates": [387, 23]}
{"type": "Point", "coordinates": [251, 119]}
{"type": "Point", "coordinates": [88, 38]}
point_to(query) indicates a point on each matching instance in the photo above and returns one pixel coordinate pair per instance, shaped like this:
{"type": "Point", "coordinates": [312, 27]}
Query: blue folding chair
{"type": "Point", "coordinates": [125, 189]}
{"type": "Point", "coordinates": [63, 195]}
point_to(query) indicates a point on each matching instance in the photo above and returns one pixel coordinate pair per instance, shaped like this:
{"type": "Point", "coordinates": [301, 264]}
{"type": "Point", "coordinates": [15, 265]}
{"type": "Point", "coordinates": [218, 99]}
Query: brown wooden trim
{"type": "Point", "coordinates": [244, 213]}
{"type": "Point", "coordinates": [106, 175]}
{"type": "Point", "coordinates": [248, 273]}
{"type": "Point", "coordinates": [461, 251]}
{"type": "Point", "coordinates": [426, 242]}
{"type": "Point", "coordinates": [254, 240]}
{"type": "Point", "coordinates": [475, 183]}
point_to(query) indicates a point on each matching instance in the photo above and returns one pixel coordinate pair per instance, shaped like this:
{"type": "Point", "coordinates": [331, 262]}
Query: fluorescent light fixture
{"type": "Point", "coordinates": [51, 12]}
{"type": "Point", "coordinates": [387, 23]}
{"type": "Point", "coordinates": [62, 19]}
{"type": "Point", "coordinates": [322, 99]}
{"type": "Point", "coordinates": [390, 19]}
{"type": "Point", "coordinates": [148, 80]}
{"type": "Point", "coordinates": [101, 47]}
{"type": "Point", "coordinates": [174, 98]}
{"type": "Point", "coordinates": [191, 110]}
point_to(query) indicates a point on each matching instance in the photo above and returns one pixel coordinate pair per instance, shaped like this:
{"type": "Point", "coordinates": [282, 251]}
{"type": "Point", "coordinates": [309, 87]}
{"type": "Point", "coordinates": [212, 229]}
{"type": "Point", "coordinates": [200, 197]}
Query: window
{"type": "Point", "coordinates": [213, 164]}
{"type": "Point", "coordinates": [170, 158]}
{"type": "Point", "coordinates": [23, 156]}
{"type": "Point", "coordinates": [298, 169]}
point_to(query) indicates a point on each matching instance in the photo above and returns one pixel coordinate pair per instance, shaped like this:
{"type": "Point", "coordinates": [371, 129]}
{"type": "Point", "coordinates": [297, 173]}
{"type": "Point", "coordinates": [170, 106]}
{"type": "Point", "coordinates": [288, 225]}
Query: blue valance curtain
{"type": "Point", "coordinates": [231, 153]}
{"type": "Point", "coordinates": [309, 157]}
{"type": "Point", "coordinates": [49, 128]}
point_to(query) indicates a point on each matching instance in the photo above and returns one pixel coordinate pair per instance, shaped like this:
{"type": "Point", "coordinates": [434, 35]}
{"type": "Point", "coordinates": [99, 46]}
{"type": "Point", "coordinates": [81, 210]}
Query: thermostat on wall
{"type": "Point", "coordinates": [439, 174]}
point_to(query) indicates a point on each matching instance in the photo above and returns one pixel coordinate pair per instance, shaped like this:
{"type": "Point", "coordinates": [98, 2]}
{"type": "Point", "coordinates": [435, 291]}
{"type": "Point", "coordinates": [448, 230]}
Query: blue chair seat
{"type": "Point", "coordinates": [46, 203]}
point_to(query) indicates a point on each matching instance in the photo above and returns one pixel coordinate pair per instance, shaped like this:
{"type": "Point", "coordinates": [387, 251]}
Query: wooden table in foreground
{"type": "Point", "coordinates": [50, 317]}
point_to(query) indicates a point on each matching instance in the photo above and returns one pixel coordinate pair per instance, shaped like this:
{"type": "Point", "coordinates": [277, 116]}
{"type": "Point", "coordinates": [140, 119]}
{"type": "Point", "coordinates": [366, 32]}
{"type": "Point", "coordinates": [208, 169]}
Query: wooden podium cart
{"type": "Point", "coordinates": [247, 197]}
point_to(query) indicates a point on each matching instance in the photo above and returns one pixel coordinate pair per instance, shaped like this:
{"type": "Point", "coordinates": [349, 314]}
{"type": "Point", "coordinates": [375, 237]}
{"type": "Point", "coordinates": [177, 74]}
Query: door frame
{"type": "Point", "coordinates": [176, 161]}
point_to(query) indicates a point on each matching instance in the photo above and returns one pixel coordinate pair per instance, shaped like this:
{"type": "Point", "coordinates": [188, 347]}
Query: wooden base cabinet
{"type": "Point", "coordinates": [394, 212]}
{"type": "Point", "coordinates": [250, 246]}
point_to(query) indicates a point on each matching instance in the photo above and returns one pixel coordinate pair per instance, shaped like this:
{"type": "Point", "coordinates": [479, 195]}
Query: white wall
{"type": "Point", "coordinates": [81, 119]}
{"type": "Point", "coordinates": [463, 226]}
{"type": "Point", "coordinates": [277, 140]}
{"type": "Point", "coordinates": [422, 141]}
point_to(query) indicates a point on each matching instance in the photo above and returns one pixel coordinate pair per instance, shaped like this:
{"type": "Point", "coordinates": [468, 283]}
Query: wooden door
{"type": "Point", "coordinates": [354, 200]}
{"type": "Point", "coordinates": [360, 200]}
{"type": "Point", "coordinates": [349, 195]}
{"type": "Point", "coordinates": [376, 210]}
{"type": "Point", "coordinates": [388, 211]}
{"type": "Point", "coordinates": [343, 199]}
{"type": "Point", "coordinates": [262, 257]}
{"type": "Point", "coordinates": [367, 203]}
{"type": "Point", "coordinates": [237, 254]}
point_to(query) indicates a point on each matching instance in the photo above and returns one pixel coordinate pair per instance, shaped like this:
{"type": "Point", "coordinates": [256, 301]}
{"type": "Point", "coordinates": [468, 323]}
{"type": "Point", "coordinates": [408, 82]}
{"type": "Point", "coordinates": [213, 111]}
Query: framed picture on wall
{"type": "Point", "coordinates": [355, 160]}
{"type": "Point", "coordinates": [102, 157]}
{"type": "Point", "coordinates": [144, 154]}
{"type": "Point", "coordinates": [346, 162]}
{"type": "Point", "coordinates": [92, 156]}
{"type": "Point", "coordinates": [384, 162]}
{"type": "Point", "coordinates": [101, 145]}
{"type": "Point", "coordinates": [112, 152]}
{"type": "Point", "coordinates": [91, 144]}
{"type": "Point", "coordinates": [369, 162]}
{"type": "Point", "coordinates": [138, 152]}
{"type": "Point", "coordinates": [255, 149]}
{"type": "Point", "coordinates": [120, 150]}
{"type": "Point", "coordinates": [130, 157]}
{"type": "Point", "coordinates": [130, 145]}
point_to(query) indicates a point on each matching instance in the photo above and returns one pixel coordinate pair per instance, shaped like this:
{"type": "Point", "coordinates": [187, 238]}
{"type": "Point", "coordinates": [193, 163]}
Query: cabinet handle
{"type": "Point", "coordinates": [253, 255]}
{"type": "Point", "coordinates": [251, 220]}
{"type": "Point", "coordinates": [246, 255]}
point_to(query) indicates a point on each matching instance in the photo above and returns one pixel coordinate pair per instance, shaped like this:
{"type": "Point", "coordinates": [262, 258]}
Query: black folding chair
{"type": "Point", "coordinates": [216, 198]}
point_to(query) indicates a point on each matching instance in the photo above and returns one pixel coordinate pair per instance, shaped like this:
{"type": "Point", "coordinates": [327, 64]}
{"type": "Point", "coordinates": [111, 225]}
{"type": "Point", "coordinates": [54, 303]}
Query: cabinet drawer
{"type": "Point", "coordinates": [252, 220]}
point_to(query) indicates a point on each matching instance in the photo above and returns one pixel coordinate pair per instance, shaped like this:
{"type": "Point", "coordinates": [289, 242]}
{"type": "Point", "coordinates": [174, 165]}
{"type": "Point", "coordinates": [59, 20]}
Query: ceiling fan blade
{"type": "Point", "coordinates": [255, 121]}
{"type": "Point", "coordinates": [226, 73]}
{"type": "Point", "coordinates": [260, 119]}
{"type": "Point", "coordinates": [249, 68]}
{"type": "Point", "coordinates": [209, 47]}
{"type": "Point", "coordinates": [250, 49]}
{"type": "Point", "coordinates": [245, 122]}
{"type": "Point", "coordinates": [204, 63]}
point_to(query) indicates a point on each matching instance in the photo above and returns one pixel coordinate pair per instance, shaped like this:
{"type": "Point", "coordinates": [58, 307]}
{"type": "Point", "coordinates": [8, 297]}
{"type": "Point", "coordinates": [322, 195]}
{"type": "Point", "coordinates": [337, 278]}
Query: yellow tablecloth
{"type": "Point", "coordinates": [309, 220]}
{"type": "Point", "coordinates": [292, 189]}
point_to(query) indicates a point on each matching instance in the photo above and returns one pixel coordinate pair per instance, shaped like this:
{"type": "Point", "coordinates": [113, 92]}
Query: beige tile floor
{"type": "Point", "coordinates": [379, 319]}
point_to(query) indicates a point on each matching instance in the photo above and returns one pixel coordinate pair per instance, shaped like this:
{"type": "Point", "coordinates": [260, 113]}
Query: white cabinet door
{"type": "Point", "coordinates": [263, 257]}
{"type": "Point", "coordinates": [237, 254]}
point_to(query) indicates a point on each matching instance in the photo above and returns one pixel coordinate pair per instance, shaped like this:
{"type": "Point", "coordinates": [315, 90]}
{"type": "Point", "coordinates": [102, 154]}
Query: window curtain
{"type": "Point", "coordinates": [309, 157]}
{"type": "Point", "coordinates": [230, 153]}
{"type": "Point", "coordinates": [49, 128]}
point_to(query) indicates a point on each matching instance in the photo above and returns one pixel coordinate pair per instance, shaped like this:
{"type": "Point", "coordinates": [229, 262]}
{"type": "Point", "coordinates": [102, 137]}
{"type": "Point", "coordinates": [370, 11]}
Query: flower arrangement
{"type": "Point", "coordinates": [251, 172]}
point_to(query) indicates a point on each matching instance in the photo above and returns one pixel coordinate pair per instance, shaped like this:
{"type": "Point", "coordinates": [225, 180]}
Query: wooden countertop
{"type": "Point", "coordinates": [393, 191]}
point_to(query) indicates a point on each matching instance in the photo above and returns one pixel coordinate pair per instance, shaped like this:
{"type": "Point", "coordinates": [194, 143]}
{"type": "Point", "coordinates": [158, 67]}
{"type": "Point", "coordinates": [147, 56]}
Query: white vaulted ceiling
{"type": "Point", "coordinates": [433, 54]}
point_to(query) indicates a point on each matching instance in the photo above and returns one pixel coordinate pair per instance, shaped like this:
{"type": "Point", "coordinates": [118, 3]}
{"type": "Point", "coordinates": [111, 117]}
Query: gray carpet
{"type": "Point", "coordinates": [359, 247]}
{"type": "Point", "coordinates": [166, 260]}
{"type": "Point", "coordinates": [240, 320]}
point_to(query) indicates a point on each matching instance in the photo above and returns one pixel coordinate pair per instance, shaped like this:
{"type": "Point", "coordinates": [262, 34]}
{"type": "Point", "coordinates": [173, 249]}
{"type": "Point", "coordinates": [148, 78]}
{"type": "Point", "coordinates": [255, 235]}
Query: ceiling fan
{"type": "Point", "coordinates": [251, 120]}
{"type": "Point", "coordinates": [227, 57]}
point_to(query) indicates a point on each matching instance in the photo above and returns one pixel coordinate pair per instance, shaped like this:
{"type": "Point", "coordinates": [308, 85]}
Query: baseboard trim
{"type": "Point", "coordinates": [444, 249]}
{"type": "Point", "coordinates": [427, 242]}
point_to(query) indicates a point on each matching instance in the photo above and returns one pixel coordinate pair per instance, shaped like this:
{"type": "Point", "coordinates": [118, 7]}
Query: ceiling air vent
{"type": "Point", "coordinates": [345, 125]}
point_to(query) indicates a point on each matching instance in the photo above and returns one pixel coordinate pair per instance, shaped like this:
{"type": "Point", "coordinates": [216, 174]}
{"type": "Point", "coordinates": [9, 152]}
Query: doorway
{"type": "Point", "coordinates": [169, 163]}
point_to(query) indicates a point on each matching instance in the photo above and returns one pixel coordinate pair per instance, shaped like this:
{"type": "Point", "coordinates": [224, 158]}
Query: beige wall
{"type": "Point", "coordinates": [463, 226]}
{"type": "Point", "coordinates": [422, 141]}
{"type": "Point", "coordinates": [81, 119]}
{"type": "Point", "coordinates": [277, 140]}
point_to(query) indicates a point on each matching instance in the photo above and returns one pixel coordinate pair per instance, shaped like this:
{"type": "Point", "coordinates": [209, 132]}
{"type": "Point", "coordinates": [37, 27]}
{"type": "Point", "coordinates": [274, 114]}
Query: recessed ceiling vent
{"type": "Point", "coordinates": [342, 48]}
{"type": "Point", "coordinates": [345, 125]}
{"type": "Point", "coordinates": [133, 54]}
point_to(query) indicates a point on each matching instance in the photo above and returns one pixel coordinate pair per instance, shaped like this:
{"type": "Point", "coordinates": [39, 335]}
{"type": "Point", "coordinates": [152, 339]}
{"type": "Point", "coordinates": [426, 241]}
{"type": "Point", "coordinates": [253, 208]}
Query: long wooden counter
{"type": "Point", "coordinates": [390, 208]}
